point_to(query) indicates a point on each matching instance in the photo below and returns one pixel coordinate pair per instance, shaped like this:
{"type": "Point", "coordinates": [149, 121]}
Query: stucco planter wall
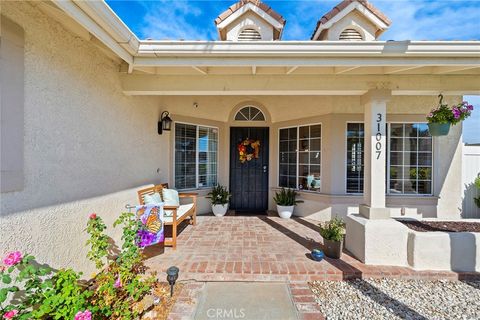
{"type": "Point", "coordinates": [389, 242]}
{"type": "Point", "coordinates": [458, 251]}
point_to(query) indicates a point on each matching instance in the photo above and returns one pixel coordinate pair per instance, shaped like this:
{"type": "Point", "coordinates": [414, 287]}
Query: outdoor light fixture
{"type": "Point", "coordinates": [165, 122]}
{"type": "Point", "coordinates": [172, 276]}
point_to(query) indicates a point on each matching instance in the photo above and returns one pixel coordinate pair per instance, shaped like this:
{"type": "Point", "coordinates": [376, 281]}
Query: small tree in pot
{"type": "Point", "coordinates": [332, 233]}
{"type": "Point", "coordinates": [219, 197]}
{"type": "Point", "coordinates": [286, 201]}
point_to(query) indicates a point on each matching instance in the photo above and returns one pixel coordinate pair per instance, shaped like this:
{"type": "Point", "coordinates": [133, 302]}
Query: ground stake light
{"type": "Point", "coordinates": [172, 276]}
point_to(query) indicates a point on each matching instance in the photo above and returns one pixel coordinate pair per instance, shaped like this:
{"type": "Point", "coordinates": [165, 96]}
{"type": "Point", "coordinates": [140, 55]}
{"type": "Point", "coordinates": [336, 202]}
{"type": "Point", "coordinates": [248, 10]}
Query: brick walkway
{"type": "Point", "coordinates": [238, 248]}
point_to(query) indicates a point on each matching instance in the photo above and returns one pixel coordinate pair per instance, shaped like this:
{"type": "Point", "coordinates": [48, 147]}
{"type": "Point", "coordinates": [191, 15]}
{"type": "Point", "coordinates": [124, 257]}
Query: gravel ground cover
{"type": "Point", "coordinates": [398, 299]}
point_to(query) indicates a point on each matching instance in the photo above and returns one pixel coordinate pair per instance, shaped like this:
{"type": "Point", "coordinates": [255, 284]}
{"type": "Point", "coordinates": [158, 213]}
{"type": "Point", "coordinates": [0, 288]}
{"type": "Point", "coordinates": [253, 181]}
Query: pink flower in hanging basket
{"type": "Point", "coordinates": [93, 216]}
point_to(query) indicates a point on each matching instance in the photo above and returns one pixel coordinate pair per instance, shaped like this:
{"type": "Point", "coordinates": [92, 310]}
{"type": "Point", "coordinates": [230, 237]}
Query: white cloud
{"type": "Point", "coordinates": [173, 20]}
{"type": "Point", "coordinates": [431, 20]}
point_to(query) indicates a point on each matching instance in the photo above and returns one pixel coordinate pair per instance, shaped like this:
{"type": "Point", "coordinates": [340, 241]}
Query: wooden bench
{"type": "Point", "coordinates": [173, 215]}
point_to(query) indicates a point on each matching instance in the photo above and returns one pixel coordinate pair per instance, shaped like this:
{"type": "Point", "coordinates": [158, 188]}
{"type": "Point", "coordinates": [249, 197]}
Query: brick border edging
{"type": "Point", "coordinates": [302, 297]}
{"type": "Point", "coordinates": [187, 301]}
{"type": "Point", "coordinates": [304, 301]}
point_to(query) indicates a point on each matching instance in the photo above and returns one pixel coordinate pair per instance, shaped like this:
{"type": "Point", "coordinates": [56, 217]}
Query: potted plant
{"type": "Point", "coordinates": [332, 233]}
{"type": "Point", "coordinates": [441, 117]}
{"type": "Point", "coordinates": [219, 197]}
{"type": "Point", "coordinates": [286, 201]}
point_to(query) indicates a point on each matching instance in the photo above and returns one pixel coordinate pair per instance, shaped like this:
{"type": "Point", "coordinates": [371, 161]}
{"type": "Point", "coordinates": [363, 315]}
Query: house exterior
{"type": "Point", "coordinates": [341, 117]}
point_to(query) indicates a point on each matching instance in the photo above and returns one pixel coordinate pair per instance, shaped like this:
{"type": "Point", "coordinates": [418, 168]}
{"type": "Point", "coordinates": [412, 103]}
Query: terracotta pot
{"type": "Point", "coordinates": [333, 249]}
{"type": "Point", "coordinates": [438, 129]}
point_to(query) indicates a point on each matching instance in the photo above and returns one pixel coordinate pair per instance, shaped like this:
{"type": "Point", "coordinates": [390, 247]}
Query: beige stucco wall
{"type": "Point", "coordinates": [87, 145]}
{"type": "Point", "coordinates": [333, 112]}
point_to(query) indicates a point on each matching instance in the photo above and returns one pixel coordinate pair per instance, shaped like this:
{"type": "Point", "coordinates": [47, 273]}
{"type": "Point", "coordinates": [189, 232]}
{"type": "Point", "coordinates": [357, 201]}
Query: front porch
{"type": "Point", "coordinates": [267, 248]}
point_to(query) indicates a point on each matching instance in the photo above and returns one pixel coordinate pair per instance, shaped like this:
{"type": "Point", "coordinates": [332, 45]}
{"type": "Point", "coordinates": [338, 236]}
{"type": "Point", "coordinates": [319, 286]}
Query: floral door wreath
{"type": "Point", "coordinates": [248, 149]}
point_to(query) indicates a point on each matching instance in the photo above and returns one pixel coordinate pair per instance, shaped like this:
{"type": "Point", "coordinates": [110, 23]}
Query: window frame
{"type": "Point", "coordinates": [297, 152]}
{"type": "Point", "coordinates": [387, 188]}
{"type": "Point", "coordinates": [387, 171]}
{"type": "Point", "coordinates": [346, 157]}
{"type": "Point", "coordinates": [196, 154]}
{"type": "Point", "coordinates": [260, 111]}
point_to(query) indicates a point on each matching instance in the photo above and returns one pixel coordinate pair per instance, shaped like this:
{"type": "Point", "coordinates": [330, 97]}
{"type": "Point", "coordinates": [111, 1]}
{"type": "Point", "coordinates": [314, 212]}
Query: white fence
{"type": "Point", "coordinates": [470, 170]}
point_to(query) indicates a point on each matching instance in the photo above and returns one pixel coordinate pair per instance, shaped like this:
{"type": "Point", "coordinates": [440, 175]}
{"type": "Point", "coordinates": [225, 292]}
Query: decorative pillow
{"type": "Point", "coordinates": [152, 199]}
{"type": "Point", "coordinates": [170, 197]}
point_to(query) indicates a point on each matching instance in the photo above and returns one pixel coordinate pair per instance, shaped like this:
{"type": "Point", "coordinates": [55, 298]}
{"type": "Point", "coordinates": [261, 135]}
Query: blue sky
{"type": "Point", "coordinates": [412, 20]}
{"type": "Point", "coordinates": [193, 20]}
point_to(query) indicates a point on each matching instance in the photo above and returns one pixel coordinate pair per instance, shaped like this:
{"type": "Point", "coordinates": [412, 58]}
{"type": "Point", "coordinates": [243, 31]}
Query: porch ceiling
{"type": "Point", "coordinates": [296, 84]}
{"type": "Point", "coordinates": [302, 68]}
{"type": "Point", "coordinates": [307, 57]}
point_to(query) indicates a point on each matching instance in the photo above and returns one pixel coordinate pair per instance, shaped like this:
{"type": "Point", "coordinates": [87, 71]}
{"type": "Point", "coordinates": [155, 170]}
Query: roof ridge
{"type": "Point", "coordinates": [262, 5]}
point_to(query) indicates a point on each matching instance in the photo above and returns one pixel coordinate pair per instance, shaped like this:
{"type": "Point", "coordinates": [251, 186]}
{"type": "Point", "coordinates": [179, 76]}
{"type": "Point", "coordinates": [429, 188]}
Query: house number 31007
{"type": "Point", "coordinates": [378, 137]}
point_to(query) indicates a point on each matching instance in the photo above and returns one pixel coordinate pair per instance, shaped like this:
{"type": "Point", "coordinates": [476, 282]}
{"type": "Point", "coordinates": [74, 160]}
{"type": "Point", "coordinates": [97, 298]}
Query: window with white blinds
{"type": "Point", "coordinates": [300, 157]}
{"type": "Point", "coordinates": [355, 157]}
{"type": "Point", "coordinates": [196, 150]}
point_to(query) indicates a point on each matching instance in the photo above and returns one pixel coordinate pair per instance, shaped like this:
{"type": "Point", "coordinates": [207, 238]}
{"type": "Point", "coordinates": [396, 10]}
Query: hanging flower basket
{"type": "Point", "coordinates": [438, 129]}
{"type": "Point", "coordinates": [442, 117]}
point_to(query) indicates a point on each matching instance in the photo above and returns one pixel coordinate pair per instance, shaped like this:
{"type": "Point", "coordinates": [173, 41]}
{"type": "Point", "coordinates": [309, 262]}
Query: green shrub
{"type": "Point", "coordinates": [286, 197]}
{"type": "Point", "coordinates": [333, 229]}
{"type": "Point", "coordinates": [219, 195]}
{"type": "Point", "coordinates": [65, 298]}
{"type": "Point", "coordinates": [112, 294]}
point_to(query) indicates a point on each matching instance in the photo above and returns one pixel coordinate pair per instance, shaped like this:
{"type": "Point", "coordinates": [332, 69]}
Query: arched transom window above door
{"type": "Point", "coordinates": [249, 113]}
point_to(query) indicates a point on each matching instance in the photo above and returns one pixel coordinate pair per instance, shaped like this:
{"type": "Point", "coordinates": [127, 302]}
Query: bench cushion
{"type": "Point", "coordinates": [181, 211]}
{"type": "Point", "coordinates": [152, 198]}
{"type": "Point", "coordinates": [170, 197]}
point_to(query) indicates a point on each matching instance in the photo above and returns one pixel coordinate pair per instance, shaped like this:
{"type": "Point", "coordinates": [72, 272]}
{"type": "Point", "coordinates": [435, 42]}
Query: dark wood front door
{"type": "Point", "coordinates": [249, 180]}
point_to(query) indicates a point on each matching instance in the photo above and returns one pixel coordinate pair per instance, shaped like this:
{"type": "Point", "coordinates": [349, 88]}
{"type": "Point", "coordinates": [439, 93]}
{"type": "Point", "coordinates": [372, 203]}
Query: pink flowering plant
{"type": "Point", "coordinates": [122, 282]}
{"type": "Point", "coordinates": [34, 291]}
{"type": "Point", "coordinates": [453, 115]}
{"type": "Point", "coordinates": [21, 271]}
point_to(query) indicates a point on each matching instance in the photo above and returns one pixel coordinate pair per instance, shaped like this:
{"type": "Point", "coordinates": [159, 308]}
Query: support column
{"type": "Point", "coordinates": [371, 236]}
{"type": "Point", "coordinates": [375, 111]}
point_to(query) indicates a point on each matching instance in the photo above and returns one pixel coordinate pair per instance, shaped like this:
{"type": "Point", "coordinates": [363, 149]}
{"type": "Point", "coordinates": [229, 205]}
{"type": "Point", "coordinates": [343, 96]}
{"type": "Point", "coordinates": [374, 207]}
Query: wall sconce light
{"type": "Point", "coordinates": [172, 276]}
{"type": "Point", "coordinates": [165, 122]}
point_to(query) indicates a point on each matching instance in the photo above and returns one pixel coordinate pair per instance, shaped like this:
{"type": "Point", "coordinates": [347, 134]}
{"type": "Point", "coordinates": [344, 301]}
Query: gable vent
{"type": "Point", "coordinates": [350, 35]}
{"type": "Point", "coordinates": [249, 34]}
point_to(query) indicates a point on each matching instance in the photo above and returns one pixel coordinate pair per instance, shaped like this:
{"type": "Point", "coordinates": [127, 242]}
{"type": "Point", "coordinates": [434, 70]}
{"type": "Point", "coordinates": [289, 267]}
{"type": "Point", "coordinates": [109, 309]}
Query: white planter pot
{"type": "Point", "coordinates": [219, 210]}
{"type": "Point", "coordinates": [285, 212]}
